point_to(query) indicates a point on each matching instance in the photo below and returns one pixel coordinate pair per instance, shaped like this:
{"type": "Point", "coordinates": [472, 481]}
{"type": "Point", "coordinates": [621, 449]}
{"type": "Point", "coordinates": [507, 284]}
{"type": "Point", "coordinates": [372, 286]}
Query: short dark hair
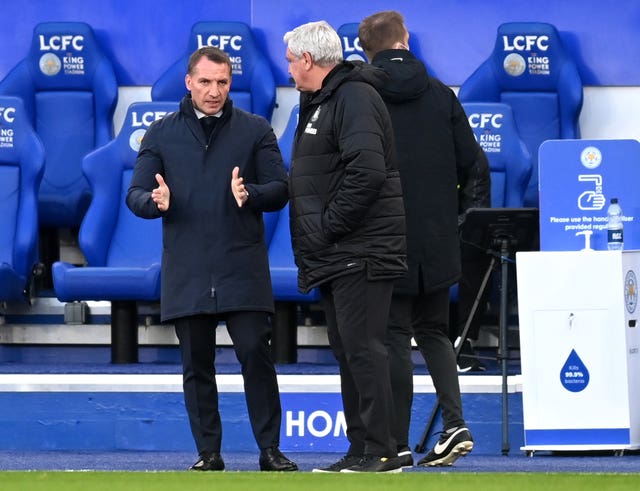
{"type": "Point", "coordinates": [381, 31]}
{"type": "Point", "coordinates": [212, 53]}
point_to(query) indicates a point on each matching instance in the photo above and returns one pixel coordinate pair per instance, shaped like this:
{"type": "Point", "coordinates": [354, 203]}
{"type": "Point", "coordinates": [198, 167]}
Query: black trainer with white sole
{"type": "Point", "coordinates": [452, 444]}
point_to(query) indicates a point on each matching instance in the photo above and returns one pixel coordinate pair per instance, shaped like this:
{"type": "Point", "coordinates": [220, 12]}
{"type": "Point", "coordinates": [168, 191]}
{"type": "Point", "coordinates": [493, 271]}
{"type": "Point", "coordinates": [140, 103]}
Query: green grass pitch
{"type": "Point", "coordinates": [305, 481]}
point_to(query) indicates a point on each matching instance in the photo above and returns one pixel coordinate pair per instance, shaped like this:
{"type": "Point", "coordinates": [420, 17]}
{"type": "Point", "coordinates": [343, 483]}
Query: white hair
{"type": "Point", "coordinates": [318, 39]}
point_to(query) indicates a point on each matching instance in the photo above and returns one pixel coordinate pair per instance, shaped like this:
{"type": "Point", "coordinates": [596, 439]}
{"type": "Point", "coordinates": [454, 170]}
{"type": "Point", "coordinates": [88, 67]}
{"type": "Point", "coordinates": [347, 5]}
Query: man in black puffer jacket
{"type": "Point", "coordinates": [347, 229]}
{"type": "Point", "coordinates": [435, 147]}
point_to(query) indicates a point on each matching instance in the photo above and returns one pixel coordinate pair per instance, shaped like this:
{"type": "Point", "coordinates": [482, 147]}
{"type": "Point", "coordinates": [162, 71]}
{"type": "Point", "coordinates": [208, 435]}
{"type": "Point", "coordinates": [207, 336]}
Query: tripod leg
{"type": "Point", "coordinates": [420, 447]}
{"type": "Point", "coordinates": [503, 351]}
{"type": "Point", "coordinates": [463, 335]}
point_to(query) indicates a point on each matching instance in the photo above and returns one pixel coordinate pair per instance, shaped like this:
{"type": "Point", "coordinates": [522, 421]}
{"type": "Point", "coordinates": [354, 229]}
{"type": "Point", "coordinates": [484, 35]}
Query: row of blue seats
{"type": "Point", "coordinates": [494, 124]}
{"type": "Point", "coordinates": [69, 91]}
{"type": "Point", "coordinates": [123, 267]}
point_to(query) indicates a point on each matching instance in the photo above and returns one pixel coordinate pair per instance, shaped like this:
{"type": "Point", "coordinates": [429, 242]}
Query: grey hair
{"type": "Point", "coordinates": [318, 39]}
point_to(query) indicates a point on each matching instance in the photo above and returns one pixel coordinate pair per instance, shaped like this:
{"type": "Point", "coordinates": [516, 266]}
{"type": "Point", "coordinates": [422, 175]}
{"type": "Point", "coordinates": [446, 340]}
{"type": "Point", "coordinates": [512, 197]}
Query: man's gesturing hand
{"type": "Point", "coordinates": [161, 194]}
{"type": "Point", "coordinates": [240, 193]}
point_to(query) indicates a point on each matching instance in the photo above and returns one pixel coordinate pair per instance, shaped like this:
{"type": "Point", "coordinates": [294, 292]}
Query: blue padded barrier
{"type": "Point", "coordinates": [21, 169]}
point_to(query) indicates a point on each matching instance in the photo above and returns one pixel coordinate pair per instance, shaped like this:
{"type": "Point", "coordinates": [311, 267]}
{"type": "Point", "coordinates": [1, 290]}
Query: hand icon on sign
{"type": "Point", "coordinates": [591, 200]}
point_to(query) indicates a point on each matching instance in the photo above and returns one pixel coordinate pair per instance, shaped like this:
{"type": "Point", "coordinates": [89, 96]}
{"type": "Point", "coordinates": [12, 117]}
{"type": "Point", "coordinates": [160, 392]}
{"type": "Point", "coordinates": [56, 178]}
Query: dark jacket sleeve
{"type": "Point", "coordinates": [359, 129]}
{"type": "Point", "coordinates": [475, 186]}
{"type": "Point", "coordinates": [270, 191]}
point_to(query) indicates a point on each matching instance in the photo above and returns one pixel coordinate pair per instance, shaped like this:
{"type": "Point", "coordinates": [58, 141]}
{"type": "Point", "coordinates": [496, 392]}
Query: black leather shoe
{"type": "Point", "coordinates": [210, 462]}
{"type": "Point", "coordinates": [272, 459]}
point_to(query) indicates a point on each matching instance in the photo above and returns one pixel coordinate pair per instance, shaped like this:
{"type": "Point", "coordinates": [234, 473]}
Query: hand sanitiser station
{"type": "Point", "coordinates": [580, 349]}
{"type": "Point", "coordinates": [578, 301]}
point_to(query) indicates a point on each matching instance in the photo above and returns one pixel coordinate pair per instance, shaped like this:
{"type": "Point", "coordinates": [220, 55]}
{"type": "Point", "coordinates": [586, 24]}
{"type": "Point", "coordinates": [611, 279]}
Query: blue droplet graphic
{"type": "Point", "coordinates": [574, 375]}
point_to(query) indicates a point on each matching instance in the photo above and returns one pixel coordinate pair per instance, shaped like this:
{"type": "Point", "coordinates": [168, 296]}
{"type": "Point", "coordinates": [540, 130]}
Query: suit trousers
{"type": "Point", "coordinates": [250, 333]}
{"type": "Point", "coordinates": [425, 317]}
{"type": "Point", "coordinates": [356, 310]}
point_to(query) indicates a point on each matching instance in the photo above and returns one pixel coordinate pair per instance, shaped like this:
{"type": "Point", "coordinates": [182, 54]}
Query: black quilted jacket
{"type": "Point", "coordinates": [346, 210]}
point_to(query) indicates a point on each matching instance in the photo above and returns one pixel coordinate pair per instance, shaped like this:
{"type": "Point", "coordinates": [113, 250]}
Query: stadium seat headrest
{"type": "Point", "coordinates": [139, 117]}
{"type": "Point", "coordinates": [253, 86]}
{"type": "Point", "coordinates": [528, 56]}
{"type": "Point", "coordinates": [64, 55]}
{"type": "Point", "coordinates": [510, 162]}
{"type": "Point", "coordinates": [235, 39]}
{"type": "Point", "coordinates": [351, 49]}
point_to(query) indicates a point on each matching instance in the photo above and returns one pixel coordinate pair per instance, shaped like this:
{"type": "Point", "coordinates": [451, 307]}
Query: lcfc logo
{"type": "Point", "coordinates": [482, 120]}
{"type": "Point", "coordinates": [631, 291]}
{"type": "Point", "coordinates": [222, 41]}
{"type": "Point", "coordinates": [526, 42]}
{"type": "Point", "coordinates": [61, 42]}
{"type": "Point", "coordinates": [50, 64]}
{"type": "Point", "coordinates": [136, 138]}
{"type": "Point", "coordinates": [514, 64]}
{"type": "Point", "coordinates": [591, 157]}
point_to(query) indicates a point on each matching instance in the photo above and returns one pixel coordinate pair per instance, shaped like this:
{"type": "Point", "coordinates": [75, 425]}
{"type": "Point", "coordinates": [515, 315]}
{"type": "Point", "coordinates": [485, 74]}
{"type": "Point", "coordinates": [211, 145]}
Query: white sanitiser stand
{"type": "Point", "coordinates": [580, 349]}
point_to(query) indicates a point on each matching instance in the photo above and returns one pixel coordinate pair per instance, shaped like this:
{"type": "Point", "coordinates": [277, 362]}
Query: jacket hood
{"type": "Point", "coordinates": [349, 71]}
{"type": "Point", "coordinates": [407, 76]}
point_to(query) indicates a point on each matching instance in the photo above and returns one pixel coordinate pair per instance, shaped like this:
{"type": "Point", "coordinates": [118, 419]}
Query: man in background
{"type": "Point", "coordinates": [435, 146]}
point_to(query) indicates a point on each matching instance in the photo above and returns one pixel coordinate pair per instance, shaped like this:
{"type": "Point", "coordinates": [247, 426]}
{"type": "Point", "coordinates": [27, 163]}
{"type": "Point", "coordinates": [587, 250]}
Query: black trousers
{"type": "Point", "coordinates": [250, 333]}
{"type": "Point", "coordinates": [424, 317]}
{"type": "Point", "coordinates": [356, 310]}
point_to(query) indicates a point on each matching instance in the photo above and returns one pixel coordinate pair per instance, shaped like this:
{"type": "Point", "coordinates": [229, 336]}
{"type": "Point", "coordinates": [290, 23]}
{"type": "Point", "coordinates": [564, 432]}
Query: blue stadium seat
{"type": "Point", "coordinates": [123, 252]}
{"type": "Point", "coordinates": [21, 170]}
{"type": "Point", "coordinates": [509, 160]}
{"type": "Point", "coordinates": [253, 88]}
{"type": "Point", "coordinates": [69, 91]}
{"type": "Point", "coordinates": [530, 70]}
